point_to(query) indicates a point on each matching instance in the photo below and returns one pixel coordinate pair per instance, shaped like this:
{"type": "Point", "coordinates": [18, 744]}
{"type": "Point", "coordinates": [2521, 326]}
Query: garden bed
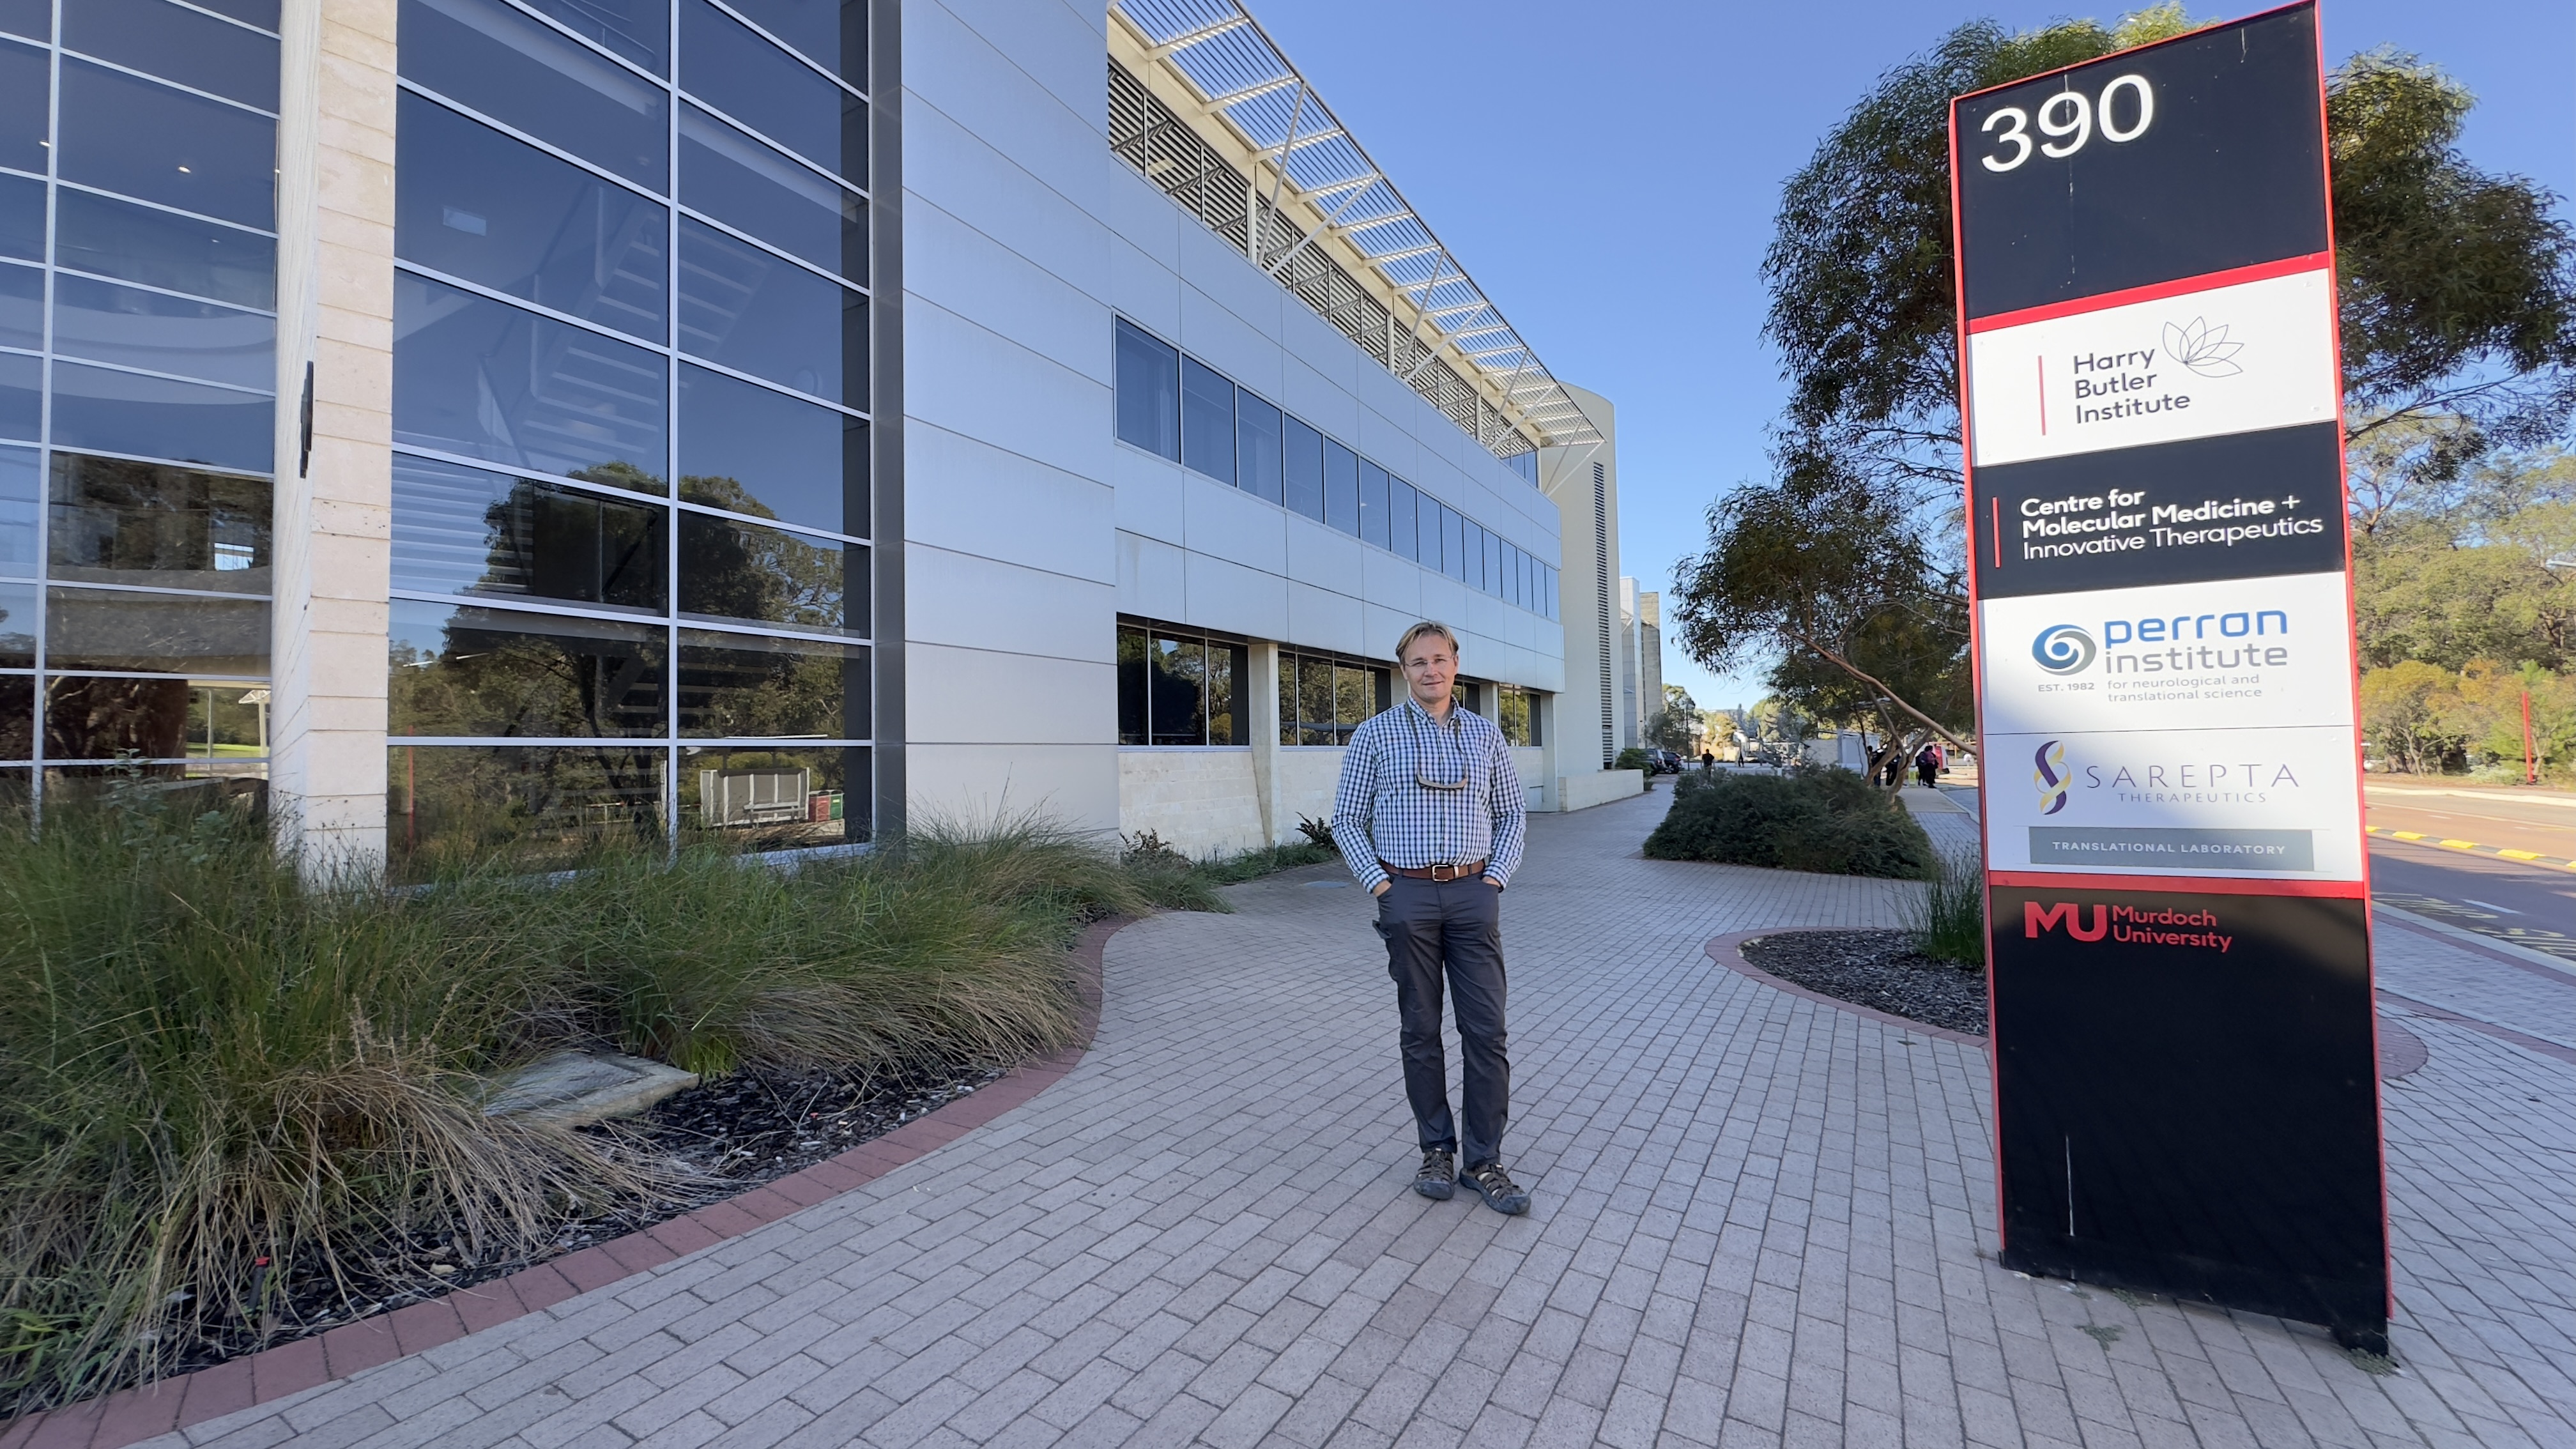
{"type": "Point", "coordinates": [1882, 970]}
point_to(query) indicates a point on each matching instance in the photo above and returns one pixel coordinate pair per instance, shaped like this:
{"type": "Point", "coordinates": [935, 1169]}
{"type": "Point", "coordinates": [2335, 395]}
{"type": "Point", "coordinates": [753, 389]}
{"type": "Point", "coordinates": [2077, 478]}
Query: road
{"type": "Point", "coordinates": [2536, 820]}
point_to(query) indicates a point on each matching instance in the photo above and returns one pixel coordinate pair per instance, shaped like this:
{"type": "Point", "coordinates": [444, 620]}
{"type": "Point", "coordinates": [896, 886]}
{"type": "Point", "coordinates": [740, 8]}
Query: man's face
{"type": "Point", "coordinates": [1430, 667]}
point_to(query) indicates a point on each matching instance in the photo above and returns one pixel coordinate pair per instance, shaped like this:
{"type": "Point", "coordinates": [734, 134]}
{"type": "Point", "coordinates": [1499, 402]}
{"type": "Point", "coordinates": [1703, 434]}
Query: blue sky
{"type": "Point", "coordinates": [1608, 173]}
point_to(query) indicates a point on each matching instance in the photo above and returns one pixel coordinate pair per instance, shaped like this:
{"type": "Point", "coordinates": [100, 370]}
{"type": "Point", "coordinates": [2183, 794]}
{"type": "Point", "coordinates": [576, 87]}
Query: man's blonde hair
{"type": "Point", "coordinates": [1427, 626]}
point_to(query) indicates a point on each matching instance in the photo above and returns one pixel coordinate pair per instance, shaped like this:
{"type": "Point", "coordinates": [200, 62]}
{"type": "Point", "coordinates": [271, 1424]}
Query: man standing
{"type": "Point", "coordinates": [1429, 817]}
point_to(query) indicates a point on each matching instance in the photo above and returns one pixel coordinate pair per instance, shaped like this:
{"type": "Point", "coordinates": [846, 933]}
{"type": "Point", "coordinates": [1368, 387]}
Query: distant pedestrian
{"type": "Point", "coordinates": [1429, 817]}
{"type": "Point", "coordinates": [1707, 761]}
{"type": "Point", "coordinates": [1927, 766]}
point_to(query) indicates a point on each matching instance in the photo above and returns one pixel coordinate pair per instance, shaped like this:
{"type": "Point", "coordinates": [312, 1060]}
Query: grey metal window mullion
{"type": "Point", "coordinates": [227, 19]}
{"type": "Point", "coordinates": [132, 371]}
{"type": "Point", "coordinates": [864, 289]}
{"type": "Point", "coordinates": [756, 28]}
{"type": "Point", "coordinates": [182, 87]}
{"type": "Point", "coordinates": [135, 286]}
{"type": "Point", "coordinates": [671, 442]}
{"type": "Point", "coordinates": [781, 147]}
{"type": "Point", "coordinates": [45, 421]}
{"type": "Point", "coordinates": [162, 207]}
{"type": "Point", "coordinates": [405, 83]}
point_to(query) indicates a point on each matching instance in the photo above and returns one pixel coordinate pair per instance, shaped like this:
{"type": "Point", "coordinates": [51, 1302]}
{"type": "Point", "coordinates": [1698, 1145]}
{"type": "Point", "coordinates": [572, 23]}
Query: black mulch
{"type": "Point", "coordinates": [1877, 969]}
{"type": "Point", "coordinates": [721, 1139]}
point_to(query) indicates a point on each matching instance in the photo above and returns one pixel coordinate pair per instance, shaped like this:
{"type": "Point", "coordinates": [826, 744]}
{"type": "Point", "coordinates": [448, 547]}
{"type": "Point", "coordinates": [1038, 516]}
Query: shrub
{"type": "Point", "coordinates": [1824, 820]}
{"type": "Point", "coordinates": [213, 1076]}
{"type": "Point", "coordinates": [1949, 921]}
{"type": "Point", "coordinates": [1633, 758]}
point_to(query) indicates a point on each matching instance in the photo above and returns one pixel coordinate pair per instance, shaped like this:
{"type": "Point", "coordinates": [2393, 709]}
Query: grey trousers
{"type": "Point", "coordinates": [1452, 930]}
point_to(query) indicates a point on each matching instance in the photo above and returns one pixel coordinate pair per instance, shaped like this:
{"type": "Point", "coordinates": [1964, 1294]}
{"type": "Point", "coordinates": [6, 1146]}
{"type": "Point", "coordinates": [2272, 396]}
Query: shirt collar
{"type": "Point", "coordinates": [1455, 709]}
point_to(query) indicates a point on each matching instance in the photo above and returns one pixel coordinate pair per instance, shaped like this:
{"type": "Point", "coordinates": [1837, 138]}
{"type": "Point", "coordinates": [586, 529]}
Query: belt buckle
{"type": "Point", "coordinates": [1438, 877]}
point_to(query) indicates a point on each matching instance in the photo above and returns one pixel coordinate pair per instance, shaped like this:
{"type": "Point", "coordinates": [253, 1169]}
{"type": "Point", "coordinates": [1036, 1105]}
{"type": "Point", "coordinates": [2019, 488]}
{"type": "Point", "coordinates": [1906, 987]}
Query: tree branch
{"type": "Point", "coordinates": [1874, 682]}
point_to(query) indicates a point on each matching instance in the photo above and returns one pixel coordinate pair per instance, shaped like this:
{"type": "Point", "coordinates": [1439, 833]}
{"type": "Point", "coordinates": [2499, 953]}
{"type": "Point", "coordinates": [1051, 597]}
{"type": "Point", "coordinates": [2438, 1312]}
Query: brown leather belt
{"type": "Point", "coordinates": [1442, 873]}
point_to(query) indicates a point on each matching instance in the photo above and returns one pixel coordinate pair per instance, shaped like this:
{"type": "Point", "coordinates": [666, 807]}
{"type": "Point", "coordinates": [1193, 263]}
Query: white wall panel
{"type": "Point", "coordinates": [1234, 598]}
{"type": "Point", "coordinates": [969, 379]}
{"type": "Point", "coordinates": [1243, 347]}
{"type": "Point", "coordinates": [1153, 578]}
{"type": "Point", "coordinates": [1050, 40]}
{"type": "Point", "coordinates": [960, 599]}
{"type": "Point", "coordinates": [1149, 492]}
{"type": "Point", "coordinates": [978, 784]}
{"type": "Point", "coordinates": [965, 176]}
{"type": "Point", "coordinates": [1321, 619]}
{"type": "Point", "coordinates": [973, 276]}
{"type": "Point", "coordinates": [1225, 522]}
{"type": "Point", "coordinates": [1057, 521]}
{"type": "Point", "coordinates": [1144, 290]}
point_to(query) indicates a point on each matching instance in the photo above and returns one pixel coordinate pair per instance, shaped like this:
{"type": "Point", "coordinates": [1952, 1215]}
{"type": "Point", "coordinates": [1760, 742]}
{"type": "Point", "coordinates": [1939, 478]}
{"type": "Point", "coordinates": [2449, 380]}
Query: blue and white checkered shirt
{"type": "Point", "coordinates": [1383, 813]}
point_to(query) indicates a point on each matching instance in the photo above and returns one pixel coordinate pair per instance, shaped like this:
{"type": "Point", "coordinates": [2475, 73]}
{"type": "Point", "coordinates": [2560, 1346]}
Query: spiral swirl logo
{"type": "Point", "coordinates": [2051, 774]}
{"type": "Point", "coordinates": [2063, 649]}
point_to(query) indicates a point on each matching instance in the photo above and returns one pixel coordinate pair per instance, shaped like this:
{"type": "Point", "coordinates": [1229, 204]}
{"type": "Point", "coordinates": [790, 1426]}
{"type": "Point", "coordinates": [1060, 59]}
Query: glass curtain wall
{"type": "Point", "coordinates": [1179, 686]}
{"type": "Point", "coordinates": [138, 279]}
{"type": "Point", "coordinates": [632, 507]}
{"type": "Point", "coordinates": [1323, 698]}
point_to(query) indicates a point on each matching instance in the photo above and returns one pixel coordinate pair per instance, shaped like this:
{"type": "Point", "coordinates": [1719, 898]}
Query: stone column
{"type": "Point", "coordinates": [1261, 711]}
{"type": "Point", "coordinates": [335, 221]}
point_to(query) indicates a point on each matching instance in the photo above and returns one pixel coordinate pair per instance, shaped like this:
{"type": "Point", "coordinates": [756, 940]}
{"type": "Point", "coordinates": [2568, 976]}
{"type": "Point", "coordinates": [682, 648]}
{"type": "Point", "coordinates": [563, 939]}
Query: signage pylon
{"type": "Point", "coordinates": [2186, 1081]}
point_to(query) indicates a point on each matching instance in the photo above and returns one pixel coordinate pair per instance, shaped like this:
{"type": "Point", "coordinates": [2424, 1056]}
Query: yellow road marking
{"type": "Point", "coordinates": [2408, 834]}
{"type": "Point", "coordinates": [2518, 854]}
{"type": "Point", "coordinates": [2458, 844]}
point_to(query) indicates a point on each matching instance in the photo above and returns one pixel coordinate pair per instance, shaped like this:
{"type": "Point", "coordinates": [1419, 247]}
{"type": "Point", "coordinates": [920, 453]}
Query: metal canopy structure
{"type": "Point", "coordinates": [1313, 189]}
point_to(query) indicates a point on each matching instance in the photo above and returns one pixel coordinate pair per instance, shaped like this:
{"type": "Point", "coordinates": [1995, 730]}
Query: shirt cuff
{"type": "Point", "coordinates": [1369, 881]}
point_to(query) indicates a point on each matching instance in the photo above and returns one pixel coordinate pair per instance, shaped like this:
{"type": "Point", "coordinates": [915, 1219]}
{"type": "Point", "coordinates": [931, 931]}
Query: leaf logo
{"type": "Point", "coordinates": [2203, 348]}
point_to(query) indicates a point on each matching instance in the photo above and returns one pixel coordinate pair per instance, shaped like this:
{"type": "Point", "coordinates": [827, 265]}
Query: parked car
{"type": "Point", "coordinates": [1666, 762]}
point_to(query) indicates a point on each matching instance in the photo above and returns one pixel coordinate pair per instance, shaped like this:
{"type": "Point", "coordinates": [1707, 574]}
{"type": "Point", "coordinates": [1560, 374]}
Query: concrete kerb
{"type": "Point", "coordinates": [130, 1416]}
{"type": "Point", "coordinates": [1728, 951]}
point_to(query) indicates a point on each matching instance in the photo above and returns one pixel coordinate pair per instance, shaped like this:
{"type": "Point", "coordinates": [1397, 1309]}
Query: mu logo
{"type": "Point", "coordinates": [2036, 918]}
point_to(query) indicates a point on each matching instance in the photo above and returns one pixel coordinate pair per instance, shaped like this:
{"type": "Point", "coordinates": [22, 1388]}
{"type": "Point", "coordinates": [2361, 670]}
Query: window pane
{"type": "Point", "coordinates": [765, 575]}
{"type": "Point", "coordinates": [18, 520]}
{"type": "Point", "coordinates": [1226, 675]}
{"type": "Point", "coordinates": [832, 33]}
{"type": "Point", "coordinates": [464, 531]}
{"type": "Point", "coordinates": [163, 633]}
{"type": "Point", "coordinates": [1133, 669]}
{"type": "Point", "coordinates": [727, 66]}
{"type": "Point", "coordinates": [1315, 700]}
{"type": "Point", "coordinates": [262, 13]}
{"type": "Point", "coordinates": [1493, 561]}
{"type": "Point", "coordinates": [1207, 421]}
{"type": "Point", "coordinates": [33, 19]}
{"type": "Point", "coordinates": [769, 799]}
{"type": "Point", "coordinates": [17, 733]}
{"type": "Point", "coordinates": [636, 30]}
{"type": "Point", "coordinates": [1302, 471]}
{"type": "Point", "coordinates": [467, 670]}
{"type": "Point", "coordinates": [483, 54]}
{"type": "Point", "coordinates": [1400, 534]}
{"type": "Point", "coordinates": [466, 807]}
{"type": "Point", "coordinates": [1453, 543]}
{"type": "Point", "coordinates": [744, 184]}
{"type": "Point", "coordinates": [26, 93]}
{"type": "Point", "coordinates": [119, 522]}
{"type": "Point", "coordinates": [1341, 487]}
{"type": "Point", "coordinates": [97, 719]}
{"type": "Point", "coordinates": [1354, 700]}
{"type": "Point", "coordinates": [147, 140]}
{"type": "Point", "coordinates": [1373, 503]}
{"type": "Point", "coordinates": [742, 686]}
{"type": "Point", "coordinates": [1177, 707]}
{"type": "Point", "coordinates": [121, 412]}
{"type": "Point", "coordinates": [1149, 393]}
{"type": "Point", "coordinates": [501, 213]}
{"type": "Point", "coordinates": [749, 450]}
{"type": "Point", "coordinates": [1256, 436]}
{"type": "Point", "coordinates": [177, 44]}
{"type": "Point", "coordinates": [476, 377]}
{"type": "Point", "coordinates": [17, 626]}
{"type": "Point", "coordinates": [1287, 698]}
{"type": "Point", "coordinates": [21, 400]}
{"type": "Point", "coordinates": [109, 323]}
{"type": "Point", "coordinates": [751, 311]}
{"type": "Point", "coordinates": [22, 217]}
{"type": "Point", "coordinates": [119, 239]}
{"type": "Point", "coordinates": [22, 307]}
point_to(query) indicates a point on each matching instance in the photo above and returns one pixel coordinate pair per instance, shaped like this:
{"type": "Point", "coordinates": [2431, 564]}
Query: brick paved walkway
{"type": "Point", "coordinates": [1759, 1221]}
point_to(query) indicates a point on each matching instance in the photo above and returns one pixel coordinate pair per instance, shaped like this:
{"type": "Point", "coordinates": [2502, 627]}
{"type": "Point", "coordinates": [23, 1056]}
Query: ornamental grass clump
{"type": "Point", "coordinates": [230, 1098]}
{"type": "Point", "coordinates": [1826, 820]}
{"type": "Point", "coordinates": [1949, 919]}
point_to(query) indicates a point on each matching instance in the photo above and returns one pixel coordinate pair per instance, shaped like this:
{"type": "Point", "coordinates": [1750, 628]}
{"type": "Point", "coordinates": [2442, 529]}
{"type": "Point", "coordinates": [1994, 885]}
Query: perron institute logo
{"type": "Point", "coordinates": [2203, 348]}
{"type": "Point", "coordinates": [2051, 776]}
{"type": "Point", "coordinates": [2063, 649]}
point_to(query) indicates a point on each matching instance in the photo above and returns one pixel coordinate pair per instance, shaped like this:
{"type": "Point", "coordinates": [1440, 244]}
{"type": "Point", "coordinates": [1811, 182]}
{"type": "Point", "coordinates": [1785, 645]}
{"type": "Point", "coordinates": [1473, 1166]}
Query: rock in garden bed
{"type": "Point", "coordinates": [1877, 969]}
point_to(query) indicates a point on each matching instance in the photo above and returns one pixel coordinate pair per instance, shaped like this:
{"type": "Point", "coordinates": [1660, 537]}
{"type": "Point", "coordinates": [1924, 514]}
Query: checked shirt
{"type": "Point", "coordinates": [1382, 812]}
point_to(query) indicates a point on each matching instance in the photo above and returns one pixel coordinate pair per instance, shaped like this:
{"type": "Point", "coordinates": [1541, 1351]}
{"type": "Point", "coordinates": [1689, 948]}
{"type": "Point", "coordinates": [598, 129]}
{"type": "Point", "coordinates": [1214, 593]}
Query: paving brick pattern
{"type": "Point", "coordinates": [1760, 1220]}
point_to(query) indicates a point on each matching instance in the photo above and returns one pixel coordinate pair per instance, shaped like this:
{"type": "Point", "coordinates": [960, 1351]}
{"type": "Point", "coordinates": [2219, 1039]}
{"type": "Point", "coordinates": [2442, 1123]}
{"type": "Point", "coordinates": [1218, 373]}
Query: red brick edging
{"type": "Point", "coordinates": [130, 1416]}
{"type": "Point", "coordinates": [1727, 951]}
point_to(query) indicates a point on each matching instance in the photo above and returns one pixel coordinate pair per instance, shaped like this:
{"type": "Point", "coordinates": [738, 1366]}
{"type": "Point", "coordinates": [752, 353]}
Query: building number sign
{"type": "Point", "coordinates": [2067, 119]}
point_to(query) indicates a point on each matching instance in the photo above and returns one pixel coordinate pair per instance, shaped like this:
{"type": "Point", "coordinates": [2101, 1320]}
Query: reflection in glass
{"type": "Point", "coordinates": [756, 313]}
{"type": "Point", "coordinates": [1302, 469]}
{"type": "Point", "coordinates": [90, 718]}
{"type": "Point", "coordinates": [33, 19]}
{"type": "Point", "coordinates": [1518, 714]}
{"type": "Point", "coordinates": [477, 377]}
{"type": "Point", "coordinates": [634, 30]}
{"type": "Point", "coordinates": [1373, 503]}
{"type": "Point", "coordinates": [1401, 531]}
{"type": "Point", "coordinates": [120, 522]}
{"type": "Point", "coordinates": [759, 190]}
{"type": "Point", "coordinates": [526, 75]}
{"type": "Point", "coordinates": [175, 43]}
{"type": "Point", "coordinates": [1314, 713]}
{"type": "Point", "coordinates": [727, 66]}
{"type": "Point", "coordinates": [463, 807]}
{"type": "Point", "coordinates": [1257, 444]}
{"type": "Point", "coordinates": [26, 90]}
{"type": "Point", "coordinates": [746, 686]}
{"type": "Point", "coordinates": [1133, 672]}
{"type": "Point", "coordinates": [766, 575]}
{"type": "Point", "coordinates": [465, 531]}
{"type": "Point", "coordinates": [127, 134]}
{"type": "Point", "coordinates": [262, 13]}
{"type": "Point", "coordinates": [1149, 392]}
{"type": "Point", "coordinates": [22, 307]}
{"type": "Point", "coordinates": [17, 717]}
{"type": "Point", "coordinates": [22, 399]}
{"type": "Point", "coordinates": [773, 799]}
{"type": "Point", "coordinates": [1188, 687]}
{"type": "Point", "coordinates": [1207, 421]}
{"type": "Point", "coordinates": [18, 503]}
{"type": "Point", "coordinates": [125, 412]}
{"type": "Point", "coordinates": [1341, 487]}
{"type": "Point", "coordinates": [17, 626]}
{"type": "Point", "coordinates": [108, 323]}
{"type": "Point", "coordinates": [501, 213]}
{"type": "Point", "coordinates": [155, 633]}
{"type": "Point", "coordinates": [1453, 543]}
{"type": "Point", "coordinates": [751, 450]}
{"type": "Point", "coordinates": [1354, 699]}
{"type": "Point", "coordinates": [138, 244]}
{"type": "Point", "coordinates": [22, 217]}
{"type": "Point", "coordinates": [832, 33]}
{"type": "Point", "coordinates": [472, 671]}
